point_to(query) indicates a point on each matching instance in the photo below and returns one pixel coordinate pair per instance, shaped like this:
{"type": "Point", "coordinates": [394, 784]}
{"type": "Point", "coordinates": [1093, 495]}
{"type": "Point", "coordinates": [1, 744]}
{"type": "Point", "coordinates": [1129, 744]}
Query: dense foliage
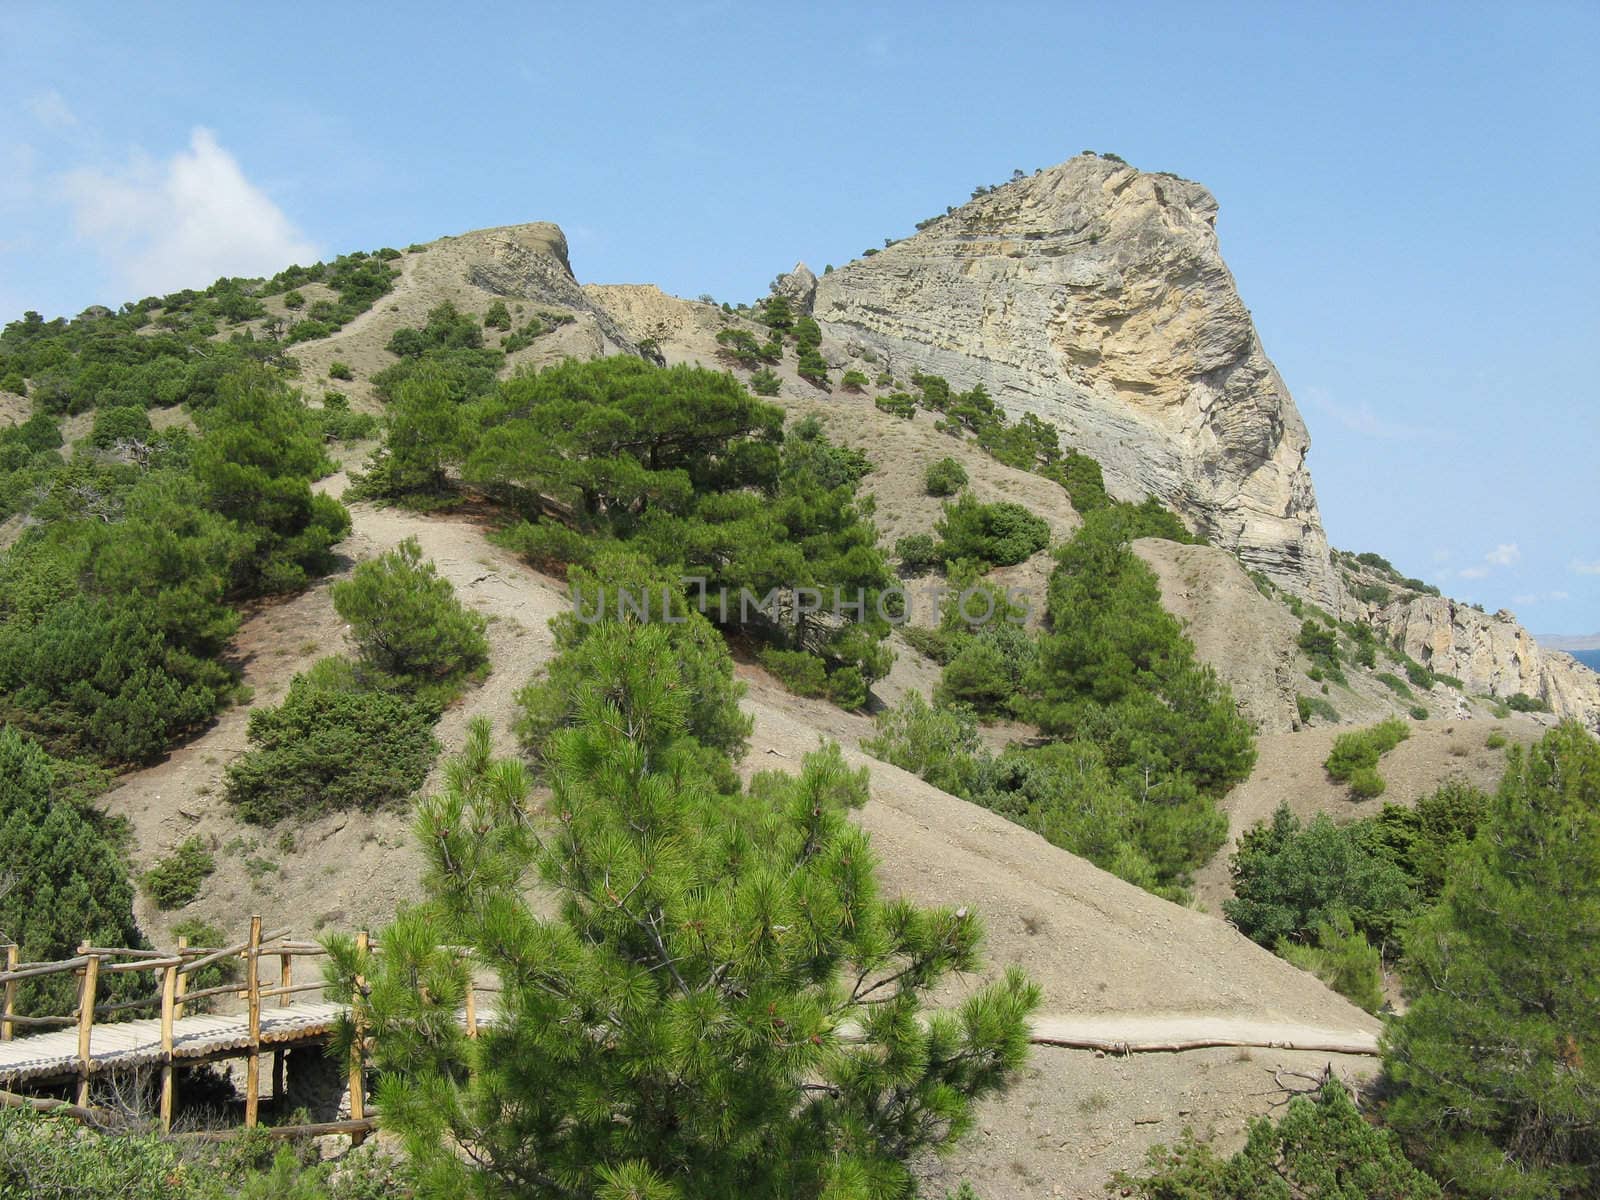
{"type": "Point", "coordinates": [61, 877]}
{"type": "Point", "coordinates": [409, 630]}
{"type": "Point", "coordinates": [334, 743]}
{"type": "Point", "coordinates": [1321, 1148]}
{"type": "Point", "coordinates": [53, 1158]}
{"type": "Point", "coordinates": [1497, 1085]}
{"type": "Point", "coordinates": [724, 1005]}
{"type": "Point", "coordinates": [1354, 757]}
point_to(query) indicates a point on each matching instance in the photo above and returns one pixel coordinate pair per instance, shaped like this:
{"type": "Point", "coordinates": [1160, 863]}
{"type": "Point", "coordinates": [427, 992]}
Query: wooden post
{"type": "Point", "coordinates": [252, 988]}
{"type": "Point", "coordinates": [285, 982]}
{"type": "Point", "coordinates": [183, 983]}
{"type": "Point", "coordinates": [358, 1082]}
{"type": "Point", "coordinates": [11, 994]}
{"type": "Point", "coordinates": [169, 1003]}
{"type": "Point", "coordinates": [86, 996]}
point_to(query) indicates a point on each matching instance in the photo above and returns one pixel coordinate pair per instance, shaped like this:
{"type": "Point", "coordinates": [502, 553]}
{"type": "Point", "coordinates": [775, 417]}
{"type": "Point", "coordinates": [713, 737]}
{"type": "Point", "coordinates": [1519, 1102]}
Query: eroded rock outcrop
{"type": "Point", "coordinates": [1491, 655]}
{"type": "Point", "coordinates": [1094, 295]}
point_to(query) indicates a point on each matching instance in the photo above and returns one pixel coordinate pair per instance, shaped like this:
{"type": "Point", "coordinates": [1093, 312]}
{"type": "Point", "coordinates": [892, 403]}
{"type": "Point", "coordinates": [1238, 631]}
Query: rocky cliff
{"type": "Point", "coordinates": [1491, 655]}
{"type": "Point", "coordinates": [1094, 295]}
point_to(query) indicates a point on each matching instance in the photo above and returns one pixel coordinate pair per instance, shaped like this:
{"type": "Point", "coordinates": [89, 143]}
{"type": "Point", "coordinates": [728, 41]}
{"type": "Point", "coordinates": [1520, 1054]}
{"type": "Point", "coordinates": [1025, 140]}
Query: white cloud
{"type": "Point", "coordinates": [1585, 568]}
{"type": "Point", "coordinates": [1560, 595]}
{"type": "Point", "coordinates": [1503, 555]}
{"type": "Point", "coordinates": [51, 111]}
{"type": "Point", "coordinates": [1473, 572]}
{"type": "Point", "coordinates": [183, 223]}
{"type": "Point", "coordinates": [1524, 599]}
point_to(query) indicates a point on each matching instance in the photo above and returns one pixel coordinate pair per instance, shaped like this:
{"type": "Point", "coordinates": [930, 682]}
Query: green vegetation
{"type": "Point", "coordinates": [340, 371]}
{"type": "Point", "coordinates": [702, 663]}
{"type": "Point", "coordinates": [357, 734]}
{"type": "Point", "coordinates": [1315, 706]}
{"type": "Point", "coordinates": [1289, 879]}
{"type": "Point", "coordinates": [679, 1022]}
{"type": "Point", "coordinates": [332, 744]}
{"type": "Point", "coordinates": [1322, 1148]}
{"type": "Point", "coordinates": [1495, 741]}
{"type": "Point", "coordinates": [53, 1158]}
{"type": "Point", "coordinates": [67, 881]}
{"type": "Point", "coordinates": [410, 631]}
{"type": "Point", "coordinates": [853, 381]}
{"type": "Point", "coordinates": [1146, 737]}
{"type": "Point", "coordinates": [1355, 755]}
{"type": "Point", "coordinates": [176, 879]}
{"type": "Point", "coordinates": [1493, 1076]}
{"type": "Point", "coordinates": [1394, 683]}
{"type": "Point", "coordinates": [917, 552]}
{"type": "Point", "coordinates": [497, 316]}
{"type": "Point", "coordinates": [1522, 702]}
{"type": "Point", "coordinates": [115, 602]}
{"type": "Point", "coordinates": [1334, 899]}
{"type": "Point", "coordinates": [1343, 959]}
{"type": "Point", "coordinates": [945, 477]}
{"type": "Point", "coordinates": [764, 383]}
{"type": "Point", "coordinates": [992, 534]}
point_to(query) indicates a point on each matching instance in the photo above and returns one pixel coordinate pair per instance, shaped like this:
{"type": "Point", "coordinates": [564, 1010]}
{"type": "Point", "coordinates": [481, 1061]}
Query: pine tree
{"type": "Point", "coordinates": [407, 623]}
{"type": "Point", "coordinates": [724, 1005]}
{"type": "Point", "coordinates": [1497, 1061]}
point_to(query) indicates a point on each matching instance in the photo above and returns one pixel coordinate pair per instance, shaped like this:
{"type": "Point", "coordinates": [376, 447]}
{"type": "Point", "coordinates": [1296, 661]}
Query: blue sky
{"type": "Point", "coordinates": [1407, 192]}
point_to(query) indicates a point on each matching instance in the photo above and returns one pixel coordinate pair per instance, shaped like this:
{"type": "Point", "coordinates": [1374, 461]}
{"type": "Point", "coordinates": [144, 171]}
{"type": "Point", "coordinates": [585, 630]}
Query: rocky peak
{"type": "Point", "coordinates": [799, 286]}
{"type": "Point", "coordinates": [1094, 296]}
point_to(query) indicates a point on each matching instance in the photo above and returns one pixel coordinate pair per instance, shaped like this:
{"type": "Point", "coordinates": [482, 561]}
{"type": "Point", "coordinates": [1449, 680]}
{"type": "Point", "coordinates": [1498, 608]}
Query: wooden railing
{"type": "Point", "coordinates": [174, 996]}
{"type": "Point", "coordinates": [177, 968]}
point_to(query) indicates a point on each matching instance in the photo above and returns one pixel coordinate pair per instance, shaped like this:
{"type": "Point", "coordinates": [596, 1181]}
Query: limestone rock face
{"type": "Point", "coordinates": [1490, 654]}
{"type": "Point", "coordinates": [530, 262]}
{"type": "Point", "coordinates": [799, 285]}
{"type": "Point", "coordinates": [1094, 295]}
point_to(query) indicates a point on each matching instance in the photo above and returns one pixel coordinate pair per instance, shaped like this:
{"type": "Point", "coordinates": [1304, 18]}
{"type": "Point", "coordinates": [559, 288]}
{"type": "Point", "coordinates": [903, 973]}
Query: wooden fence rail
{"type": "Point", "coordinates": [92, 965]}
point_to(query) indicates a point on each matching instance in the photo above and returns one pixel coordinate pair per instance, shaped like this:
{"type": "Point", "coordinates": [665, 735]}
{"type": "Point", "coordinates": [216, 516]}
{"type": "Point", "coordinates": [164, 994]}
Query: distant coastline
{"type": "Point", "coordinates": [1569, 642]}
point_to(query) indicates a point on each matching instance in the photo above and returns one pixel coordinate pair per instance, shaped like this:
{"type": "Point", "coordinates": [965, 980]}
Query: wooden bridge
{"type": "Point", "coordinates": [274, 1020]}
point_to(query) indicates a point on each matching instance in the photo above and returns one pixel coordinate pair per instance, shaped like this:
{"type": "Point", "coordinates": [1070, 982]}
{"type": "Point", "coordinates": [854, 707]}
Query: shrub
{"type": "Point", "coordinates": [1522, 702]}
{"type": "Point", "coordinates": [548, 545]}
{"type": "Point", "coordinates": [1418, 712]}
{"type": "Point", "coordinates": [1394, 683]}
{"type": "Point", "coordinates": [1290, 878]}
{"type": "Point", "coordinates": [1366, 783]}
{"type": "Point", "coordinates": [899, 404]}
{"type": "Point", "coordinates": [1320, 643]}
{"type": "Point", "coordinates": [802, 673]}
{"type": "Point", "coordinates": [1495, 740]}
{"type": "Point", "coordinates": [332, 744]}
{"type": "Point", "coordinates": [339, 370]}
{"type": "Point", "coordinates": [1001, 534]}
{"type": "Point", "coordinates": [939, 743]}
{"type": "Point", "coordinates": [176, 879]}
{"type": "Point", "coordinates": [917, 552]}
{"type": "Point", "coordinates": [118, 424]}
{"type": "Point", "coordinates": [294, 299]}
{"type": "Point", "coordinates": [853, 381]}
{"type": "Point", "coordinates": [1322, 1147]}
{"type": "Point", "coordinates": [944, 478]}
{"type": "Point", "coordinates": [1362, 748]}
{"type": "Point", "coordinates": [497, 316]}
{"type": "Point", "coordinates": [1419, 675]}
{"type": "Point", "coordinates": [764, 382]}
{"type": "Point", "coordinates": [407, 625]}
{"type": "Point", "coordinates": [1343, 959]}
{"type": "Point", "coordinates": [1316, 706]}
